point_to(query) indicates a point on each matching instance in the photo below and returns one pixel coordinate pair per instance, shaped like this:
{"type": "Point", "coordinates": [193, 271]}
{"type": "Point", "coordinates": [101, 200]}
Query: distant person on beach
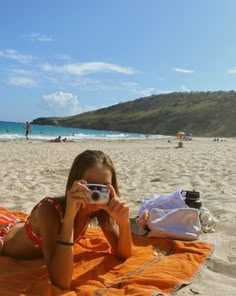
{"type": "Point", "coordinates": [27, 130]}
{"type": "Point", "coordinates": [56, 223]}
{"type": "Point", "coordinates": [58, 140]}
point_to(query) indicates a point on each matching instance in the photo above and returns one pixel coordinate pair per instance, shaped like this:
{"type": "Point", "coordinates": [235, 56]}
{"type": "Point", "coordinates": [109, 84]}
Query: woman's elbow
{"type": "Point", "coordinates": [128, 255]}
{"type": "Point", "coordinates": [61, 282]}
{"type": "Point", "coordinates": [125, 254]}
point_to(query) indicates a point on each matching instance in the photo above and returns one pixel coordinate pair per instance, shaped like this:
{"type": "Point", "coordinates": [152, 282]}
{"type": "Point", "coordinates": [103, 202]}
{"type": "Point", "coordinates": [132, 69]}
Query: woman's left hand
{"type": "Point", "coordinates": [117, 208]}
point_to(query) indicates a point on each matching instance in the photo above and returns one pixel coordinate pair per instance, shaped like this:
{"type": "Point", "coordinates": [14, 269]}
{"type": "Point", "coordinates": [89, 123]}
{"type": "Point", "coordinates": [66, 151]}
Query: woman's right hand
{"type": "Point", "coordinates": [76, 197]}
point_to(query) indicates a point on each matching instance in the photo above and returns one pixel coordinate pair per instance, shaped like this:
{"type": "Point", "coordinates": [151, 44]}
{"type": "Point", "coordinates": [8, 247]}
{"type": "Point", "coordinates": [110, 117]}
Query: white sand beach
{"type": "Point", "coordinates": [32, 170]}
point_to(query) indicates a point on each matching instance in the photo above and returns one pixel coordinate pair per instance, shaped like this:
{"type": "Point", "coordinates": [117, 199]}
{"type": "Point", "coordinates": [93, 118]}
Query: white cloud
{"type": "Point", "coordinates": [232, 71]}
{"type": "Point", "coordinates": [63, 56]}
{"type": "Point", "coordinates": [86, 68]}
{"type": "Point", "coordinates": [22, 72]}
{"type": "Point", "coordinates": [14, 55]}
{"type": "Point", "coordinates": [36, 37]}
{"type": "Point", "coordinates": [22, 81]}
{"type": "Point", "coordinates": [139, 90]}
{"type": "Point", "coordinates": [184, 88]}
{"type": "Point", "coordinates": [62, 103]}
{"type": "Point", "coordinates": [187, 71]}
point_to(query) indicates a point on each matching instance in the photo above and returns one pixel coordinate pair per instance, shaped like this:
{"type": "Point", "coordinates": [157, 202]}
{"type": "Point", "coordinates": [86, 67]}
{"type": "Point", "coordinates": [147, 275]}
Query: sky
{"type": "Point", "coordinates": [65, 57]}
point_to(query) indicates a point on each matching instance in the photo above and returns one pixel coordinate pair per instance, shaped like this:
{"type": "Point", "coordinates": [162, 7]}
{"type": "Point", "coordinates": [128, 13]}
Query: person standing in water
{"type": "Point", "coordinates": [27, 130]}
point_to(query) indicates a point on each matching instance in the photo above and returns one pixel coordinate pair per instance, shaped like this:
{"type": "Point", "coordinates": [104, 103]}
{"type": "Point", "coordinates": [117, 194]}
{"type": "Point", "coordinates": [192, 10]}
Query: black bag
{"type": "Point", "coordinates": [192, 199]}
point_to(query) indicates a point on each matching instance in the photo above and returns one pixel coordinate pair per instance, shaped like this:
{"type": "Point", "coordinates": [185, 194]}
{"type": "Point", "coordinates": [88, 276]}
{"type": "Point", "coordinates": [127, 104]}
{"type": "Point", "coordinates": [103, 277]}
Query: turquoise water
{"type": "Point", "coordinates": [16, 131]}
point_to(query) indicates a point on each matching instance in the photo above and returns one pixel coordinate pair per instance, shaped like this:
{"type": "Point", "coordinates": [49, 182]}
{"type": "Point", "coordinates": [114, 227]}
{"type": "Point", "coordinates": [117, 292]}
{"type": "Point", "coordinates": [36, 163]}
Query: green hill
{"type": "Point", "coordinates": [202, 113]}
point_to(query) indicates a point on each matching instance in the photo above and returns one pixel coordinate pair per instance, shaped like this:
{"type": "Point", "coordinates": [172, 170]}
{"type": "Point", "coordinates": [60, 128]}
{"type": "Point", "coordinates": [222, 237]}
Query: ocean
{"type": "Point", "coordinates": [16, 131]}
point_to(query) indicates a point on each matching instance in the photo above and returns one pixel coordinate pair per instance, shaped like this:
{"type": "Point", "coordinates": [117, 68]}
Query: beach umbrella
{"type": "Point", "coordinates": [180, 134]}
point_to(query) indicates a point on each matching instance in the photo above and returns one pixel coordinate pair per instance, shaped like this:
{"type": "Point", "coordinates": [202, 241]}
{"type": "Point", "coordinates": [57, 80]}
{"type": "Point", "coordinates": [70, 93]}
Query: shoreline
{"type": "Point", "coordinates": [150, 138]}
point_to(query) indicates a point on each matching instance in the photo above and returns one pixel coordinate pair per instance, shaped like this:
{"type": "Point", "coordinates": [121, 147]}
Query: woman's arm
{"type": "Point", "coordinates": [59, 258]}
{"type": "Point", "coordinates": [124, 244]}
{"type": "Point", "coordinates": [59, 254]}
{"type": "Point", "coordinates": [120, 239]}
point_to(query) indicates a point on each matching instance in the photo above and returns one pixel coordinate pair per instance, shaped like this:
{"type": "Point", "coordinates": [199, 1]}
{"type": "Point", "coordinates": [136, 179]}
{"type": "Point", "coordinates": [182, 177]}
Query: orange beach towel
{"type": "Point", "coordinates": [158, 267]}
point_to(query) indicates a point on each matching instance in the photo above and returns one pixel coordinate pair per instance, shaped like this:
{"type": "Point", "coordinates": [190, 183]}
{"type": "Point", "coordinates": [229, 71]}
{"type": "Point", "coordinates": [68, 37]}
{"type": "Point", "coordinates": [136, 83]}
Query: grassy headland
{"type": "Point", "coordinates": [211, 114]}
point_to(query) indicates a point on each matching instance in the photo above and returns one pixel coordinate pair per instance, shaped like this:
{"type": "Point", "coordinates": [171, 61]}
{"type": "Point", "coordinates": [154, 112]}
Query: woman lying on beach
{"type": "Point", "coordinates": [56, 223]}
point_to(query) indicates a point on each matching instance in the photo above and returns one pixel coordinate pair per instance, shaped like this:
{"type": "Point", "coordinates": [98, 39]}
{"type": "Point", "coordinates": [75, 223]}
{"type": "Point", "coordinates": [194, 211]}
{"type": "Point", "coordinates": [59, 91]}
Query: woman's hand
{"type": "Point", "coordinates": [76, 197]}
{"type": "Point", "coordinates": [117, 208]}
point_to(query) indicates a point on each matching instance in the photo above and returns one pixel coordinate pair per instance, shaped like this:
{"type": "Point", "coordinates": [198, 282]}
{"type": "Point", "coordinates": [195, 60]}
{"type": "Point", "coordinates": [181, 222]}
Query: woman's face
{"type": "Point", "coordinates": [98, 175]}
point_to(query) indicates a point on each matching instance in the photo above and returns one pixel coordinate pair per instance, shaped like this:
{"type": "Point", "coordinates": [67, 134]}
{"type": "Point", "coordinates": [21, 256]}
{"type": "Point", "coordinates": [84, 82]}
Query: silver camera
{"type": "Point", "coordinates": [100, 194]}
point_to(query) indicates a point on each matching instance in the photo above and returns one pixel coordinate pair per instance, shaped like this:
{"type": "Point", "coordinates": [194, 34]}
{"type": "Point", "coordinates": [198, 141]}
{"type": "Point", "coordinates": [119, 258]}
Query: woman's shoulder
{"type": "Point", "coordinates": [46, 201]}
{"type": "Point", "coordinates": [50, 206]}
{"type": "Point", "coordinates": [46, 216]}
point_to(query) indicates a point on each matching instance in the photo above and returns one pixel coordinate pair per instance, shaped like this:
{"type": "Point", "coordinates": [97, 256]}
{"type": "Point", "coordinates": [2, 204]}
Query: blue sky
{"type": "Point", "coordinates": [64, 57]}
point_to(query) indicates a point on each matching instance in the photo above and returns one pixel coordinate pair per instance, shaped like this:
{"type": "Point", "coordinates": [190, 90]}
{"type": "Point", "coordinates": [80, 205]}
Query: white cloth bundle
{"type": "Point", "coordinates": [169, 216]}
{"type": "Point", "coordinates": [182, 224]}
{"type": "Point", "coordinates": [174, 200]}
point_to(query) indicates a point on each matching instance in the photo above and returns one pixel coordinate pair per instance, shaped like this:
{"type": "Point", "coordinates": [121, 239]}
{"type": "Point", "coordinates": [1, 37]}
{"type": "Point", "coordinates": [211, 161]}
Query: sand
{"type": "Point", "coordinates": [32, 170]}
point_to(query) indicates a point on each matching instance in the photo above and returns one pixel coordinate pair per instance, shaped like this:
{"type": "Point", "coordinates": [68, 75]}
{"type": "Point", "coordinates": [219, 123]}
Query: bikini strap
{"type": "Point", "coordinates": [52, 201]}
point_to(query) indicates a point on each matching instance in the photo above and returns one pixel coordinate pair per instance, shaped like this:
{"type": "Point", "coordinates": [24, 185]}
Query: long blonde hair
{"type": "Point", "coordinates": [89, 159]}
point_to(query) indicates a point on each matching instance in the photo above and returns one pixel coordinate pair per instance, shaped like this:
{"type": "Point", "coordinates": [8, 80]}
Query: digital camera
{"type": "Point", "coordinates": [100, 194]}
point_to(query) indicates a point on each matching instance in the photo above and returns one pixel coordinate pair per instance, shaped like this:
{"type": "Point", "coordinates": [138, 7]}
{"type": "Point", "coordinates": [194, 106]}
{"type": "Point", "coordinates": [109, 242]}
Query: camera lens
{"type": "Point", "coordinates": [95, 196]}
